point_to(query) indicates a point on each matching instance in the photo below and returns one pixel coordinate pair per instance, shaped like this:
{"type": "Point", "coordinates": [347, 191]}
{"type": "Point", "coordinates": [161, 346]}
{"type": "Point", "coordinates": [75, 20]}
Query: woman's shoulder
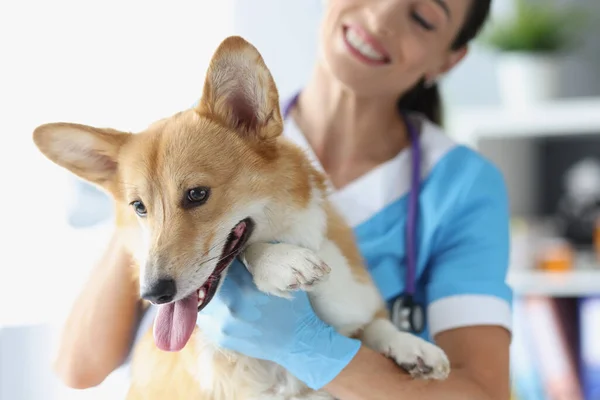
{"type": "Point", "coordinates": [462, 187]}
{"type": "Point", "coordinates": [456, 167]}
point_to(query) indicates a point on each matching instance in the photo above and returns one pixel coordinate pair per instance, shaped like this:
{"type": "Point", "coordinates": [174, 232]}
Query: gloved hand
{"type": "Point", "coordinates": [284, 331]}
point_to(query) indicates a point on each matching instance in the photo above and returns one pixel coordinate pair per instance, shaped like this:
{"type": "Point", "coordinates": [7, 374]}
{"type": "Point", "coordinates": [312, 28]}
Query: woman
{"type": "Point", "coordinates": [376, 57]}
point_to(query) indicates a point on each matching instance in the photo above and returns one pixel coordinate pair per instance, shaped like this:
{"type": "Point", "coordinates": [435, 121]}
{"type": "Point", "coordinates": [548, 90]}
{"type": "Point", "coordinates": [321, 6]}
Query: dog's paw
{"type": "Point", "coordinates": [421, 359]}
{"type": "Point", "coordinates": [281, 268]}
{"type": "Point", "coordinates": [418, 357]}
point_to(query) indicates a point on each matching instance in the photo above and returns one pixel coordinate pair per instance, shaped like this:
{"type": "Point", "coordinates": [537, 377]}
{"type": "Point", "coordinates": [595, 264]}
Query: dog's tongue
{"type": "Point", "coordinates": [175, 323]}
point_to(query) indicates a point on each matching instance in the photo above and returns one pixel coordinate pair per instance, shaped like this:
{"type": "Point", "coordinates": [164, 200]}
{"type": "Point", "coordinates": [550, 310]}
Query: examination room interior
{"type": "Point", "coordinates": [534, 112]}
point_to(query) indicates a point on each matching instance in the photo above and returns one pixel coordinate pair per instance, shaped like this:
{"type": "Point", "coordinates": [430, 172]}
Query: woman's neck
{"type": "Point", "coordinates": [345, 130]}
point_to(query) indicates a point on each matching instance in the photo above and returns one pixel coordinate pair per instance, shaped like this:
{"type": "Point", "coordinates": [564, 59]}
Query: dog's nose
{"type": "Point", "coordinates": [160, 292]}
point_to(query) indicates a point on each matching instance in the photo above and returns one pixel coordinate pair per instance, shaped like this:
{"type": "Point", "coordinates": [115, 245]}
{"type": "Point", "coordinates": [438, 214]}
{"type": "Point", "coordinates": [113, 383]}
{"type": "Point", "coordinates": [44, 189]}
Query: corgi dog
{"type": "Point", "coordinates": [218, 181]}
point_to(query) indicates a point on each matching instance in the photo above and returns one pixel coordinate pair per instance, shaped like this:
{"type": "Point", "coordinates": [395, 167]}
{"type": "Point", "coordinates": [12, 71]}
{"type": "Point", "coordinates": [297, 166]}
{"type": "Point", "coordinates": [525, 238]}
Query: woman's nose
{"type": "Point", "coordinates": [385, 16]}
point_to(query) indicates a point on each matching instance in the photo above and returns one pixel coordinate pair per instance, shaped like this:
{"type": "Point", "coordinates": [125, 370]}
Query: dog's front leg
{"type": "Point", "coordinates": [279, 268]}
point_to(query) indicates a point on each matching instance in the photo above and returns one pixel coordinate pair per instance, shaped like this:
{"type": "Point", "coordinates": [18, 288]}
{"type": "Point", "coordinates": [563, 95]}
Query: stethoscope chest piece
{"type": "Point", "coordinates": [407, 315]}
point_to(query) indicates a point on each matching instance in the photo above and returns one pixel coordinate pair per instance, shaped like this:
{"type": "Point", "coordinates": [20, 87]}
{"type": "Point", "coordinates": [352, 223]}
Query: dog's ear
{"type": "Point", "coordinates": [90, 153]}
{"type": "Point", "coordinates": [240, 92]}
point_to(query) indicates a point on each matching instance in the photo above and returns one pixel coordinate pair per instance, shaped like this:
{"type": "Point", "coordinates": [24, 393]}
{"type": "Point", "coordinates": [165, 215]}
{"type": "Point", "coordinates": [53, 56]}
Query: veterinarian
{"type": "Point", "coordinates": [440, 261]}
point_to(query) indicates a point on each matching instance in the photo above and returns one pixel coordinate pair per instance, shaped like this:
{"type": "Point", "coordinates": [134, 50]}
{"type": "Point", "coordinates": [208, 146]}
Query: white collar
{"type": "Point", "coordinates": [373, 191]}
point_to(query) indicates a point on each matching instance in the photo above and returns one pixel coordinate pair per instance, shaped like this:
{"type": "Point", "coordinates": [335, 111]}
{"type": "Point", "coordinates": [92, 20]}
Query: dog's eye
{"type": "Point", "coordinates": [195, 197]}
{"type": "Point", "coordinates": [140, 208]}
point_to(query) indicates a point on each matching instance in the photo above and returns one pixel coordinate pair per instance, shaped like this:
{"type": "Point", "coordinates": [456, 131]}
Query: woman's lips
{"type": "Point", "coordinates": [364, 46]}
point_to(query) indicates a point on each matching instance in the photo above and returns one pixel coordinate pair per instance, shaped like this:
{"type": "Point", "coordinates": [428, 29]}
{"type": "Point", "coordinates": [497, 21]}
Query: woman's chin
{"type": "Point", "coordinates": [358, 80]}
{"type": "Point", "coordinates": [354, 75]}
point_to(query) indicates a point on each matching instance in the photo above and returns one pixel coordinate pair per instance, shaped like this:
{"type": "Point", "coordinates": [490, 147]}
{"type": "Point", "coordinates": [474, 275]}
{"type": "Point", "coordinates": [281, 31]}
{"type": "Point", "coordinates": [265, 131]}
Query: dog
{"type": "Point", "coordinates": [211, 183]}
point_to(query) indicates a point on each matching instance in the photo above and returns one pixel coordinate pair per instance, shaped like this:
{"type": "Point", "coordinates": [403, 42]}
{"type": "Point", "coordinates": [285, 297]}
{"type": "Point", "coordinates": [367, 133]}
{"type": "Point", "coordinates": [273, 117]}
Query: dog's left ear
{"type": "Point", "coordinates": [240, 91]}
{"type": "Point", "coordinates": [88, 152]}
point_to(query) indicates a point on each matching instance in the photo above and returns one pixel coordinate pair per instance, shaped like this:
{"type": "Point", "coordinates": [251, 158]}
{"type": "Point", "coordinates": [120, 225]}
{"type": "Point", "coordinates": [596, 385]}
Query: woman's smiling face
{"type": "Point", "coordinates": [383, 47]}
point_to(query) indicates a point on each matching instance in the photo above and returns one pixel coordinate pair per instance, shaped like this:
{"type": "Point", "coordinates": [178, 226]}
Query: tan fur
{"type": "Point", "coordinates": [382, 314]}
{"type": "Point", "coordinates": [343, 236]}
{"type": "Point", "coordinates": [231, 142]}
{"type": "Point", "coordinates": [175, 372]}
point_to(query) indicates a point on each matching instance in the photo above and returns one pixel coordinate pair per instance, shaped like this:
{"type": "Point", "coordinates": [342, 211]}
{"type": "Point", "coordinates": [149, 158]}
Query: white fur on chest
{"type": "Point", "coordinates": [286, 223]}
{"type": "Point", "coordinates": [342, 301]}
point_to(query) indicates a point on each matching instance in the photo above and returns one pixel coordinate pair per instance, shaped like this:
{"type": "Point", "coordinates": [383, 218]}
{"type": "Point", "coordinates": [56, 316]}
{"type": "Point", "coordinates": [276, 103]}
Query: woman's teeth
{"type": "Point", "coordinates": [362, 47]}
{"type": "Point", "coordinates": [201, 296]}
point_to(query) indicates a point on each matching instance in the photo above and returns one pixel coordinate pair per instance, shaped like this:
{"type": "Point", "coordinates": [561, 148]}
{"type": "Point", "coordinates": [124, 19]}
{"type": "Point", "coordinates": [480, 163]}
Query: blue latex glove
{"type": "Point", "coordinates": [284, 331]}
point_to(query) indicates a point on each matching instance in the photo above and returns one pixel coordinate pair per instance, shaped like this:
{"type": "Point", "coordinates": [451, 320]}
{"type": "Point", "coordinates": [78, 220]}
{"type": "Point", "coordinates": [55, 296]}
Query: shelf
{"type": "Point", "coordinates": [563, 117]}
{"type": "Point", "coordinates": [556, 284]}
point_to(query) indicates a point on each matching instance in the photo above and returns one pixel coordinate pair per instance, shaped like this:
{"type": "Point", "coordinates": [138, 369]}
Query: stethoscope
{"type": "Point", "coordinates": [407, 314]}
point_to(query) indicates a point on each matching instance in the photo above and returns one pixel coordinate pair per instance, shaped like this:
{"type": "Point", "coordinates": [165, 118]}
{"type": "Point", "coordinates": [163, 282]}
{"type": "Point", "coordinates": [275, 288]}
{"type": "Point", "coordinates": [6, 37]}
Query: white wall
{"type": "Point", "coordinates": [285, 32]}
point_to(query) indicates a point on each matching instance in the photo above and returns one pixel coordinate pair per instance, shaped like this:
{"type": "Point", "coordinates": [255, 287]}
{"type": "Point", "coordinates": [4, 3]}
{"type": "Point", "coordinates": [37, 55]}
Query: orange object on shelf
{"type": "Point", "coordinates": [556, 257]}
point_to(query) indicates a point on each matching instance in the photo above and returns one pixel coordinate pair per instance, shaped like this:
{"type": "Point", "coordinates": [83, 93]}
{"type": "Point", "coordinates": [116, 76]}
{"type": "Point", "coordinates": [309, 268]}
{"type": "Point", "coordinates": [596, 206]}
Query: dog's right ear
{"type": "Point", "coordinates": [88, 152]}
{"type": "Point", "coordinates": [240, 92]}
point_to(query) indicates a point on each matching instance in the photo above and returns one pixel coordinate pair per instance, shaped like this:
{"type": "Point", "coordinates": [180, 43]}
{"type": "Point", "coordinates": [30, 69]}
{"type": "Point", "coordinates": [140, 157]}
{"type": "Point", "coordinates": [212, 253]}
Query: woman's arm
{"type": "Point", "coordinates": [480, 365]}
{"type": "Point", "coordinates": [287, 332]}
{"type": "Point", "coordinates": [98, 331]}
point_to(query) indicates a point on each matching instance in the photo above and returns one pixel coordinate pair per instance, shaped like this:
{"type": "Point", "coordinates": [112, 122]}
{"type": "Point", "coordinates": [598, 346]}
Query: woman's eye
{"type": "Point", "coordinates": [422, 21]}
{"type": "Point", "coordinates": [196, 197]}
{"type": "Point", "coordinates": [139, 208]}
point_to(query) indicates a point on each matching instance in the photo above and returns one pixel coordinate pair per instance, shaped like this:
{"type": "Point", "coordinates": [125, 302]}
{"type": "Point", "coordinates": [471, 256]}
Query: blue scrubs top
{"type": "Point", "coordinates": [462, 234]}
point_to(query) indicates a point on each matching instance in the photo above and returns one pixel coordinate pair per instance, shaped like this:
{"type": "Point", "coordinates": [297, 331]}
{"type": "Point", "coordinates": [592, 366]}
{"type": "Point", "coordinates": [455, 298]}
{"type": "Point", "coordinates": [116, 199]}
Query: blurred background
{"type": "Point", "coordinates": [528, 97]}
